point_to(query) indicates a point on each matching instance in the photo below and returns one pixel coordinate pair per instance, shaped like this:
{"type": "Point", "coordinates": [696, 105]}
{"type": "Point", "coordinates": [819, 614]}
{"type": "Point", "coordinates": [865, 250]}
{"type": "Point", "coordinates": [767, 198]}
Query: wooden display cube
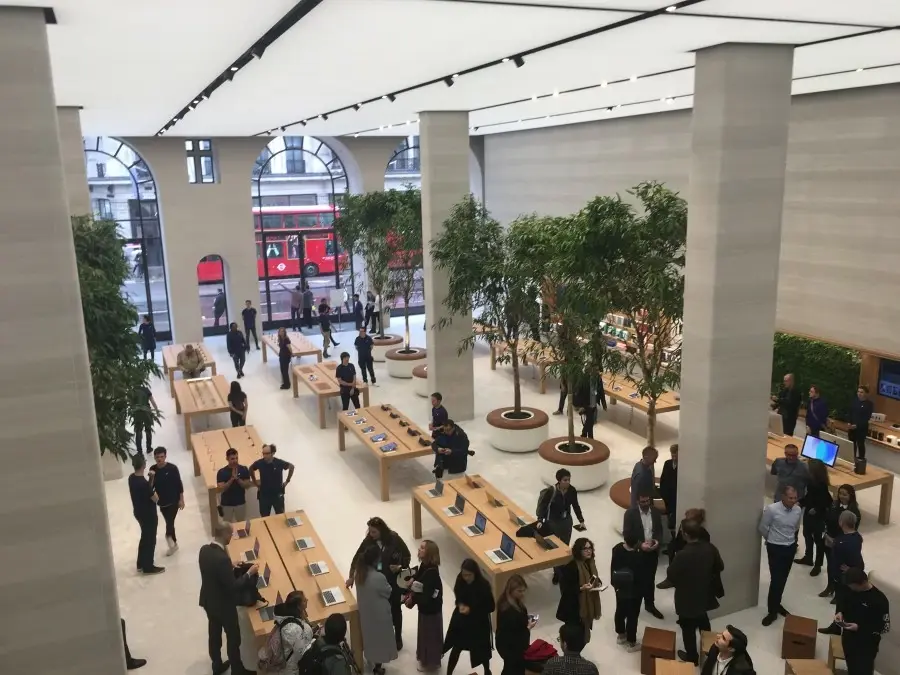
{"type": "Point", "coordinates": [806, 667]}
{"type": "Point", "coordinates": [707, 640]}
{"type": "Point", "coordinates": [666, 667]}
{"type": "Point", "coordinates": [798, 640]}
{"type": "Point", "coordinates": [835, 650]}
{"type": "Point", "coordinates": [657, 644]}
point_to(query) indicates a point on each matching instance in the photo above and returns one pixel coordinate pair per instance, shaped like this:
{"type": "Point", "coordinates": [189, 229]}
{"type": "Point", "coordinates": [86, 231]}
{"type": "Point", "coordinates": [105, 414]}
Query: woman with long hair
{"type": "Point", "coordinates": [816, 503]}
{"type": "Point", "coordinates": [427, 592]}
{"type": "Point", "coordinates": [284, 356]}
{"type": "Point", "coordinates": [470, 625]}
{"type": "Point", "coordinates": [238, 405]}
{"type": "Point", "coordinates": [579, 586]}
{"type": "Point", "coordinates": [514, 625]}
{"type": "Point", "coordinates": [296, 633]}
{"type": "Point", "coordinates": [373, 595]}
{"type": "Point", "coordinates": [678, 543]}
{"type": "Point", "coordinates": [845, 501]}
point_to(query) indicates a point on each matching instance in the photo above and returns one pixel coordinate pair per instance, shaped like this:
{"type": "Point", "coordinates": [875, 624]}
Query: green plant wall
{"type": "Point", "coordinates": [833, 369]}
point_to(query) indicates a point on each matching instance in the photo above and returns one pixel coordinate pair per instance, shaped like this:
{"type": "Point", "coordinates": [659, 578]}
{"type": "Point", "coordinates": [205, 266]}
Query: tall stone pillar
{"type": "Point", "coordinates": [444, 148]}
{"type": "Point", "coordinates": [58, 585]}
{"type": "Point", "coordinates": [74, 170]}
{"type": "Point", "coordinates": [742, 99]}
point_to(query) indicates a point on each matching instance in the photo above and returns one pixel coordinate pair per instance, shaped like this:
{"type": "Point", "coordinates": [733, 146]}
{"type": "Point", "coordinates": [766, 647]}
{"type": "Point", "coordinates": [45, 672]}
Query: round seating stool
{"type": "Point", "coordinates": [420, 380]}
{"type": "Point", "coordinates": [589, 467]}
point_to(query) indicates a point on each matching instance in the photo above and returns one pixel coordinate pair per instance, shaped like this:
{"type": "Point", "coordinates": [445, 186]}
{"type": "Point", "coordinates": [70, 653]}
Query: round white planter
{"type": "Point", "coordinates": [517, 435]}
{"type": "Point", "coordinates": [382, 347]}
{"type": "Point", "coordinates": [585, 476]}
{"type": "Point", "coordinates": [401, 365]}
{"type": "Point", "coordinates": [420, 380]}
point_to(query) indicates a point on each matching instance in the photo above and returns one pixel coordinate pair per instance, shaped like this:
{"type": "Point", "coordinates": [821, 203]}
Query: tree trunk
{"type": "Point", "coordinates": [571, 416]}
{"type": "Point", "coordinates": [651, 423]}
{"type": "Point", "coordinates": [517, 385]}
{"type": "Point", "coordinates": [380, 316]}
{"type": "Point", "coordinates": [406, 321]}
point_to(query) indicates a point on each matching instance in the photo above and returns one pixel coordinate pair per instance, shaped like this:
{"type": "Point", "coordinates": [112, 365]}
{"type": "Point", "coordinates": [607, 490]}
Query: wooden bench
{"type": "Point", "coordinates": [373, 421]}
{"type": "Point", "coordinates": [170, 361]}
{"type": "Point", "coordinates": [200, 396]}
{"type": "Point", "coordinates": [666, 667]}
{"type": "Point", "coordinates": [300, 346]}
{"type": "Point", "coordinates": [321, 380]}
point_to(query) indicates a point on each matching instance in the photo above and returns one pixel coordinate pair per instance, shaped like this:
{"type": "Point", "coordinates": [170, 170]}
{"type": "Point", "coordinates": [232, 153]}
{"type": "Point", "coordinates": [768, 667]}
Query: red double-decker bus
{"type": "Point", "coordinates": [283, 252]}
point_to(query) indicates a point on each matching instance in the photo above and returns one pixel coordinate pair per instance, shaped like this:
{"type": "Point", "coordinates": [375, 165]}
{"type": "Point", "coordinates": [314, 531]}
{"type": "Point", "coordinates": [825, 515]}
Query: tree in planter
{"type": "Point", "coordinates": [485, 268]}
{"type": "Point", "coordinates": [117, 369]}
{"type": "Point", "coordinates": [404, 244]}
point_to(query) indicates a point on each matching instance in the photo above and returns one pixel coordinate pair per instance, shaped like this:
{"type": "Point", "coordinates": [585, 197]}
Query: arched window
{"type": "Point", "coordinates": [404, 169]}
{"type": "Point", "coordinates": [122, 189]}
{"type": "Point", "coordinates": [297, 186]}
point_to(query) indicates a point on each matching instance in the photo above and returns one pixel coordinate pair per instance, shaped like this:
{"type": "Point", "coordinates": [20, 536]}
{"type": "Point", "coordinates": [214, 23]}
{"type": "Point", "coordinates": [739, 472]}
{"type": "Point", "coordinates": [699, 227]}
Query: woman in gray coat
{"type": "Point", "coordinates": [373, 595]}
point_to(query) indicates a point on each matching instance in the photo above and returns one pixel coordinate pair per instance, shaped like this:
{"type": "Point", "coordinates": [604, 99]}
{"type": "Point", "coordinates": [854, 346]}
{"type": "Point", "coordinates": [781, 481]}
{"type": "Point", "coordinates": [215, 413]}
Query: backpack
{"type": "Point", "coordinates": [541, 496]}
{"type": "Point", "coordinates": [313, 660]}
{"type": "Point", "coordinates": [272, 657]}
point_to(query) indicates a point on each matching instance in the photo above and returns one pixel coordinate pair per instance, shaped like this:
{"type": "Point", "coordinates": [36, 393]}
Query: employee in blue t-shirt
{"type": "Point", "coordinates": [364, 344]}
{"type": "Point", "coordinates": [816, 412]}
{"type": "Point", "coordinates": [271, 483]}
{"type": "Point", "coordinates": [439, 415]}
{"type": "Point", "coordinates": [345, 374]}
{"type": "Point", "coordinates": [232, 481]}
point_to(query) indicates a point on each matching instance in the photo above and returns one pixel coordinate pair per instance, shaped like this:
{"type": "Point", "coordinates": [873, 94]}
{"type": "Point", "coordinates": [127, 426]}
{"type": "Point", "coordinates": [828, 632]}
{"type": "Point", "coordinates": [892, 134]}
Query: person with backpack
{"type": "Point", "coordinates": [373, 595]}
{"type": "Point", "coordinates": [554, 510]}
{"type": "Point", "coordinates": [289, 639]}
{"type": "Point", "coordinates": [329, 654]}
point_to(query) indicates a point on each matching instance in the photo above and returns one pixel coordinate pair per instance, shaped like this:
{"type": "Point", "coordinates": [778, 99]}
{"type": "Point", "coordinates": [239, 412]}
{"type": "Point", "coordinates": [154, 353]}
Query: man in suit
{"type": "Point", "coordinates": [728, 655]}
{"type": "Point", "coordinates": [668, 486]}
{"type": "Point", "coordinates": [644, 523]}
{"type": "Point", "coordinates": [787, 404]}
{"type": "Point", "coordinates": [695, 573]}
{"type": "Point", "coordinates": [218, 597]}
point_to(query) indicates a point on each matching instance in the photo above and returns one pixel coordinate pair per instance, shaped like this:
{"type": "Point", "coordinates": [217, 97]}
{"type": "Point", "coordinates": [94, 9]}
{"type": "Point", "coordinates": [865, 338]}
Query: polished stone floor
{"type": "Point", "coordinates": [339, 491]}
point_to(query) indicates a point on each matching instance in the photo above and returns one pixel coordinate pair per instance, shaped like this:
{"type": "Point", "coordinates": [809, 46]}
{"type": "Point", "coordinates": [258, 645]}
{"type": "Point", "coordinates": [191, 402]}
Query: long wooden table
{"type": "Point", "coordinates": [289, 571]}
{"type": "Point", "coordinates": [619, 389]}
{"type": "Point", "coordinates": [529, 556]}
{"type": "Point", "coordinates": [170, 361]}
{"type": "Point", "coordinates": [200, 396]}
{"type": "Point", "coordinates": [378, 421]}
{"type": "Point", "coordinates": [530, 352]}
{"type": "Point", "coordinates": [843, 473]}
{"type": "Point", "coordinates": [209, 448]}
{"type": "Point", "coordinates": [321, 380]}
{"type": "Point", "coordinates": [300, 346]}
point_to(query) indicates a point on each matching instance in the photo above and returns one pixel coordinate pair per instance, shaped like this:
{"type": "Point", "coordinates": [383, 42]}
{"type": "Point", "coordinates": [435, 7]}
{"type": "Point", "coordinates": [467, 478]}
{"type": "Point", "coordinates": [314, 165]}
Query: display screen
{"type": "Point", "coordinates": [816, 448]}
{"type": "Point", "coordinates": [889, 379]}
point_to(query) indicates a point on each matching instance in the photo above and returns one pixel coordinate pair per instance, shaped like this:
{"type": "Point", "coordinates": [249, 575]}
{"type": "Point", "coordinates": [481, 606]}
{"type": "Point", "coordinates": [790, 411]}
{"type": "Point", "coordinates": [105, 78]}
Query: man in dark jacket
{"type": "Point", "coordinates": [787, 404]}
{"type": "Point", "coordinates": [451, 450]}
{"type": "Point", "coordinates": [668, 486]}
{"type": "Point", "coordinates": [249, 316]}
{"type": "Point", "coordinates": [364, 345]}
{"type": "Point", "coordinates": [728, 655]}
{"type": "Point", "coordinates": [860, 413]}
{"type": "Point", "coordinates": [357, 311]}
{"type": "Point", "coordinates": [644, 523]}
{"type": "Point", "coordinates": [237, 348]}
{"type": "Point", "coordinates": [585, 402]}
{"type": "Point", "coordinates": [695, 572]}
{"type": "Point", "coordinates": [218, 306]}
{"type": "Point", "coordinates": [554, 510]}
{"type": "Point", "coordinates": [218, 597]}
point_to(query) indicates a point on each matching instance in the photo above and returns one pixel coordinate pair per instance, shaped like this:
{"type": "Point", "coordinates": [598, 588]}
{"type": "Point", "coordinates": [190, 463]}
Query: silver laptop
{"type": "Point", "coordinates": [458, 507]}
{"type": "Point", "coordinates": [317, 568]}
{"type": "Point", "coordinates": [332, 596]}
{"type": "Point", "coordinates": [437, 490]}
{"type": "Point", "coordinates": [304, 543]}
{"type": "Point", "coordinates": [263, 580]}
{"type": "Point", "coordinates": [505, 552]}
{"type": "Point", "coordinates": [253, 554]}
{"type": "Point", "coordinates": [478, 527]}
{"type": "Point", "coordinates": [293, 521]}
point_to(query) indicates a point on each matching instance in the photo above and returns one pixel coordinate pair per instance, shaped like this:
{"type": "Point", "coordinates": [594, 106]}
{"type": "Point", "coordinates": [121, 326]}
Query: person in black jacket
{"type": "Point", "coordinates": [470, 626]}
{"type": "Point", "coordinates": [426, 591]}
{"type": "Point", "coordinates": [695, 574]}
{"type": "Point", "coordinates": [845, 501]}
{"type": "Point", "coordinates": [668, 486]}
{"type": "Point", "coordinates": [219, 587]}
{"type": "Point", "coordinates": [143, 502]}
{"type": "Point", "coordinates": [554, 510]}
{"type": "Point", "coordinates": [451, 447]}
{"type": "Point", "coordinates": [248, 314]}
{"type": "Point", "coordinates": [627, 575]}
{"type": "Point", "coordinates": [165, 480]}
{"type": "Point", "coordinates": [787, 404]}
{"type": "Point", "coordinates": [345, 374]}
{"type": "Point", "coordinates": [860, 413]}
{"type": "Point", "coordinates": [148, 337]}
{"type": "Point", "coordinates": [395, 557]}
{"type": "Point", "coordinates": [579, 588]}
{"type": "Point", "coordinates": [237, 348]}
{"type": "Point", "coordinates": [728, 655]}
{"type": "Point", "coordinates": [644, 523]}
{"type": "Point", "coordinates": [357, 311]}
{"type": "Point", "coordinates": [678, 543]}
{"type": "Point", "coordinates": [866, 614]}
{"type": "Point", "coordinates": [815, 503]}
{"type": "Point", "coordinates": [284, 357]}
{"type": "Point", "coordinates": [585, 402]}
{"type": "Point", "coordinates": [218, 306]}
{"type": "Point", "coordinates": [514, 624]}
{"type": "Point", "coordinates": [364, 344]}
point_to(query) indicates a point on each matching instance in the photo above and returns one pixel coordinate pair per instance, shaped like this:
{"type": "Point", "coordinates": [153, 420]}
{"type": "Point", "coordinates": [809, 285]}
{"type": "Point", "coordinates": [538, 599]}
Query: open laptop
{"type": "Point", "coordinates": [304, 543]}
{"type": "Point", "coordinates": [437, 490]}
{"type": "Point", "coordinates": [505, 552]}
{"type": "Point", "coordinates": [332, 596]}
{"type": "Point", "coordinates": [317, 568]}
{"type": "Point", "coordinates": [458, 507]}
{"type": "Point", "coordinates": [293, 521]}
{"type": "Point", "coordinates": [244, 532]}
{"type": "Point", "coordinates": [263, 580]}
{"type": "Point", "coordinates": [472, 483]}
{"type": "Point", "coordinates": [517, 519]}
{"type": "Point", "coordinates": [478, 526]}
{"type": "Point", "coordinates": [253, 554]}
{"type": "Point", "coordinates": [493, 501]}
{"type": "Point", "coordinates": [267, 613]}
{"type": "Point", "coordinates": [545, 544]}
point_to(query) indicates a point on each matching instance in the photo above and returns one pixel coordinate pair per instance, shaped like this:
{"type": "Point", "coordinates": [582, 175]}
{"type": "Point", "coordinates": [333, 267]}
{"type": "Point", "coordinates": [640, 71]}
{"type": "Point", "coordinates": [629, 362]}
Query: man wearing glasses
{"type": "Point", "coordinates": [271, 483]}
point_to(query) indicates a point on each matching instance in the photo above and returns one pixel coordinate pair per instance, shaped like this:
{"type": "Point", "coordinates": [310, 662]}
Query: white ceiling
{"type": "Point", "coordinates": [132, 66]}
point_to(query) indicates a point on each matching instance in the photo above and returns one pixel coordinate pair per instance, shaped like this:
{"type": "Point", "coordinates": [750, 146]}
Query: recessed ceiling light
{"type": "Point", "coordinates": [534, 97]}
{"type": "Point", "coordinates": [519, 61]}
{"type": "Point", "coordinates": [670, 101]}
{"type": "Point", "coordinates": [671, 8]}
{"type": "Point", "coordinates": [234, 69]}
{"type": "Point", "coordinates": [859, 70]}
{"type": "Point", "coordinates": [409, 121]}
{"type": "Point", "coordinates": [504, 59]}
{"type": "Point", "coordinates": [556, 93]}
{"type": "Point", "coordinates": [634, 78]}
{"type": "Point", "coordinates": [603, 84]}
{"type": "Point", "coordinates": [355, 135]}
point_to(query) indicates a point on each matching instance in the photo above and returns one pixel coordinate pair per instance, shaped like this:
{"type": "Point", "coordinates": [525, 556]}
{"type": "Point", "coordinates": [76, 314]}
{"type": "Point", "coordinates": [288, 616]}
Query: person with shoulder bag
{"type": "Point", "coordinates": [289, 639]}
{"type": "Point", "coordinates": [626, 571]}
{"type": "Point", "coordinates": [554, 511]}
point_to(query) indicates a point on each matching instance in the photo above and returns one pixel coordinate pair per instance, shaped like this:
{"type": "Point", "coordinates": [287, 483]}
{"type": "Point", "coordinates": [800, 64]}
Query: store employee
{"type": "Point", "coordinates": [232, 481]}
{"type": "Point", "coordinates": [860, 412]}
{"type": "Point", "coordinates": [271, 483]}
{"type": "Point", "coordinates": [439, 415]}
{"type": "Point", "coordinates": [346, 377]}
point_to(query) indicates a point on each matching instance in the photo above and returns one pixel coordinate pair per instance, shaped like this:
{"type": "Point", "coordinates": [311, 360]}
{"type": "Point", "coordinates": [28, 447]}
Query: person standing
{"type": "Point", "coordinates": [514, 624]}
{"type": "Point", "coordinates": [579, 588]}
{"type": "Point", "coordinates": [787, 404]}
{"type": "Point", "coordinates": [248, 314]}
{"type": "Point", "coordinates": [218, 306]}
{"type": "Point", "coordinates": [845, 501]}
{"type": "Point", "coordinates": [325, 327]}
{"type": "Point", "coordinates": [563, 395]}
{"type": "Point", "coordinates": [554, 510]}
{"type": "Point", "coordinates": [585, 402]}
{"type": "Point", "coordinates": [345, 374]}
{"type": "Point", "coordinates": [237, 348]}
{"type": "Point", "coordinates": [296, 304]}
{"type": "Point", "coordinates": [846, 552]}
{"type": "Point", "coordinates": [860, 413]}
{"type": "Point", "coordinates": [370, 307]}
{"type": "Point", "coordinates": [143, 503]}
{"type": "Point", "coordinates": [427, 593]}
{"type": "Point", "coordinates": [866, 615]}
{"type": "Point", "coordinates": [232, 482]}
{"type": "Point", "coordinates": [695, 573]}
{"type": "Point", "coordinates": [778, 526]}
{"type": "Point", "coordinates": [333, 647]}
{"type": "Point", "coordinates": [570, 662]}
{"type": "Point", "coordinates": [271, 485]}
{"type": "Point", "coordinates": [373, 595]}
{"type": "Point", "coordinates": [364, 345]}
{"type": "Point", "coordinates": [627, 575]}
{"type": "Point", "coordinates": [470, 624]}
{"type": "Point", "coordinates": [238, 405]}
{"type": "Point", "coordinates": [815, 504]}
{"type": "Point", "coordinates": [357, 312]}
{"type": "Point", "coordinates": [219, 588]}
{"type": "Point", "coordinates": [165, 481]}
{"type": "Point", "coordinates": [644, 523]}
{"type": "Point", "coordinates": [439, 414]}
{"type": "Point", "coordinates": [143, 420]}
{"type": "Point", "coordinates": [377, 323]}
{"type": "Point", "coordinates": [816, 413]}
{"type": "Point", "coordinates": [284, 357]}
{"type": "Point", "coordinates": [668, 486]}
{"type": "Point", "coordinates": [728, 655]}
{"type": "Point", "coordinates": [307, 302]}
{"type": "Point", "coordinates": [791, 472]}
{"type": "Point", "coordinates": [643, 476]}
{"type": "Point", "coordinates": [131, 663]}
{"type": "Point", "coordinates": [678, 543]}
{"type": "Point", "coordinates": [451, 451]}
{"type": "Point", "coordinates": [148, 337]}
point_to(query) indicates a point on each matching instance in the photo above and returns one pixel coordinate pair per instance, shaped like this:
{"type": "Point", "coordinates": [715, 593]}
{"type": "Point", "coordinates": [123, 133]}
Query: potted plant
{"type": "Point", "coordinates": [487, 271]}
{"type": "Point", "coordinates": [117, 369]}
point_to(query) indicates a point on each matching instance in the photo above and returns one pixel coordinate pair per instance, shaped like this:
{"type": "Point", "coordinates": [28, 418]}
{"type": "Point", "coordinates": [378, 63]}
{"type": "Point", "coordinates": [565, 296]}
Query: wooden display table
{"type": "Point", "coordinates": [170, 361]}
{"type": "Point", "coordinates": [806, 667]}
{"type": "Point", "coordinates": [377, 421]}
{"type": "Point", "coordinates": [300, 346]}
{"type": "Point", "coordinates": [208, 449]}
{"type": "Point", "coordinates": [321, 380]}
{"type": "Point", "coordinates": [530, 352]}
{"type": "Point", "coordinates": [201, 396]}
{"type": "Point", "coordinates": [278, 549]}
{"type": "Point", "coordinates": [625, 392]}
{"type": "Point", "coordinates": [528, 557]}
{"type": "Point", "coordinates": [843, 473]}
{"type": "Point", "coordinates": [666, 667]}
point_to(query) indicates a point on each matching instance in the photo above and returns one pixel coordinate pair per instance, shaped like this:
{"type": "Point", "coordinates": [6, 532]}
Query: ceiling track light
{"type": "Point", "coordinates": [455, 76]}
{"type": "Point", "coordinates": [671, 8]}
{"type": "Point", "coordinates": [505, 59]}
{"type": "Point", "coordinates": [604, 83]}
{"type": "Point", "coordinates": [859, 70]}
{"type": "Point", "coordinates": [257, 52]}
{"type": "Point", "coordinates": [634, 78]}
{"type": "Point", "coordinates": [357, 106]}
{"type": "Point", "coordinates": [205, 97]}
{"type": "Point", "coordinates": [229, 75]}
{"type": "Point", "coordinates": [324, 117]}
{"type": "Point", "coordinates": [475, 129]}
{"type": "Point", "coordinates": [556, 93]}
{"type": "Point", "coordinates": [302, 123]}
{"type": "Point", "coordinates": [449, 81]}
{"type": "Point", "coordinates": [519, 61]}
{"type": "Point", "coordinates": [283, 129]}
{"type": "Point", "coordinates": [355, 135]}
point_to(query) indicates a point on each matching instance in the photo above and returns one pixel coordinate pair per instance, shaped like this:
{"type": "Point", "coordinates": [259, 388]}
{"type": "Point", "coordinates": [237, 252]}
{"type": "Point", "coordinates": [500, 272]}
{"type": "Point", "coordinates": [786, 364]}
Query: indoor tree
{"type": "Point", "coordinates": [404, 244]}
{"type": "Point", "coordinates": [486, 269]}
{"type": "Point", "coordinates": [117, 369]}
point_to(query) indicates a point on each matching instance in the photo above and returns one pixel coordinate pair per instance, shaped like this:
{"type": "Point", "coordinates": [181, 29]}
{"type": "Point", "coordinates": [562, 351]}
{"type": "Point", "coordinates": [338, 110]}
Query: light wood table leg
{"type": "Point", "coordinates": [187, 429]}
{"type": "Point", "coordinates": [385, 473]}
{"type": "Point", "coordinates": [172, 381]}
{"type": "Point", "coordinates": [356, 640]}
{"type": "Point", "coordinates": [498, 583]}
{"type": "Point", "coordinates": [265, 352]}
{"type": "Point", "coordinates": [213, 510]}
{"type": "Point", "coordinates": [196, 461]}
{"type": "Point", "coordinates": [212, 367]}
{"type": "Point", "coordinates": [294, 383]}
{"type": "Point", "coordinates": [321, 411]}
{"type": "Point", "coordinates": [493, 357]}
{"type": "Point", "coordinates": [416, 518]}
{"type": "Point", "coordinates": [342, 436]}
{"type": "Point", "coordinates": [543, 371]}
{"type": "Point", "coordinates": [884, 506]}
{"type": "Point", "coordinates": [365, 393]}
{"type": "Point", "coordinates": [319, 357]}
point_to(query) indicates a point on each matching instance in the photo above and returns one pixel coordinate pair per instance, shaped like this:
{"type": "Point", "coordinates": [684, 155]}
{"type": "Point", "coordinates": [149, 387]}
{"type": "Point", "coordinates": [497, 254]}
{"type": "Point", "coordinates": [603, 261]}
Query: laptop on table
{"type": "Point", "coordinates": [317, 568]}
{"type": "Point", "coordinates": [267, 613]}
{"type": "Point", "coordinates": [245, 531]}
{"type": "Point", "coordinates": [544, 543]}
{"type": "Point", "coordinates": [252, 555]}
{"type": "Point", "coordinates": [293, 521]}
{"type": "Point", "coordinates": [506, 551]}
{"type": "Point", "coordinates": [514, 517]}
{"type": "Point", "coordinates": [263, 580]}
{"type": "Point", "coordinates": [304, 543]}
{"type": "Point", "coordinates": [478, 527]}
{"type": "Point", "coordinates": [332, 596]}
{"type": "Point", "coordinates": [437, 490]}
{"type": "Point", "coordinates": [458, 507]}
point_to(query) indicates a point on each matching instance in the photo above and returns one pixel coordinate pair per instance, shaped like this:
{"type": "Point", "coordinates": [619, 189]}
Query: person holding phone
{"type": "Point", "coordinates": [554, 510]}
{"type": "Point", "coordinates": [345, 374]}
{"type": "Point", "coordinates": [579, 586]}
{"type": "Point", "coordinates": [238, 405]}
{"type": "Point", "coordinates": [284, 357]}
{"type": "Point", "coordinates": [514, 624]}
{"type": "Point", "coordinates": [644, 523]}
{"type": "Point", "coordinates": [863, 616]}
{"type": "Point", "coordinates": [143, 502]}
{"type": "Point", "coordinates": [426, 591]}
{"type": "Point", "coordinates": [470, 625]}
{"type": "Point", "coordinates": [232, 482]}
{"type": "Point", "coordinates": [626, 573]}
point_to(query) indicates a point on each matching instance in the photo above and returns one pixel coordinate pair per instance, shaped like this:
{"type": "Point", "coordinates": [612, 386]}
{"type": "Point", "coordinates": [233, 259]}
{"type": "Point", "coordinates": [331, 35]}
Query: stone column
{"type": "Point", "coordinates": [58, 584]}
{"type": "Point", "coordinates": [742, 99]}
{"type": "Point", "coordinates": [74, 170]}
{"type": "Point", "coordinates": [444, 148]}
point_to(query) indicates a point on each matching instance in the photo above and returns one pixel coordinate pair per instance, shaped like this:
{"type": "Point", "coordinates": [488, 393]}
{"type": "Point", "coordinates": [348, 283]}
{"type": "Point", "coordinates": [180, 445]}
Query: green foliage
{"type": "Point", "coordinates": [404, 243]}
{"type": "Point", "coordinates": [833, 369]}
{"type": "Point", "coordinates": [117, 369]}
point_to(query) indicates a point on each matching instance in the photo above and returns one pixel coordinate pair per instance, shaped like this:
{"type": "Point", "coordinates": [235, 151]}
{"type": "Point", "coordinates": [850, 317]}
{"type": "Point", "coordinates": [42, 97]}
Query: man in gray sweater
{"type": "Point", "coordinates": [791, 471]}
{"type": "Point", "coordinates": [643, 478]}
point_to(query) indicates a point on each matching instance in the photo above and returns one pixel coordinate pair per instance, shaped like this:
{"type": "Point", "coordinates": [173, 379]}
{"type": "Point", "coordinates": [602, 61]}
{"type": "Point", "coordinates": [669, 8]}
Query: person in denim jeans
{"type": "Point", "coordinates": [270, 484]}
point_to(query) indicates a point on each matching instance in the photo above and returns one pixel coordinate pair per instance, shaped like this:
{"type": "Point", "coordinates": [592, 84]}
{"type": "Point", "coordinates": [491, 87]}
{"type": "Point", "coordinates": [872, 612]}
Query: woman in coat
{"type": "Point", "coordinates": [845, 501]}
{"type": "Point", "coordinates": [373, 594]}
{"type": "Point", "coordinates": [514, 625]}
{"type": "Point", "coordinates": [579, 586]}
{"type": "Point", "coordinates": [470, 625]}
{"type": "Point", "coordinates": [427, 593]}
{"type": "Point", "coordinates": [815, 503]}
{"type": "Point", "coordinates": [394, 557]}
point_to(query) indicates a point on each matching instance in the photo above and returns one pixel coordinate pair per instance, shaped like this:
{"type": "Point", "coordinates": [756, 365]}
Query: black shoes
{"type": "Point", "coordinates": [782, 611]}
{"type": "Point", "coordinates": [815, 571]}
{"type": "Point", "coordinates": [285, 386]}
{"type": "Point", "coordinates": [399, 643]}
{"type": "Point", "coordinates": [769, 619]}
{"type": "Point", "coordinates": [805, 560]}
{"type": "Point", "coordinates": [833, 629]}
{"type": "Point", "coordinates": [828, 592]}
{"type": "Point", "coordinates": [221, 668]}
{"type": "Point", "coordinates": [654, 612]}
{"type": "Point", "coordinates": [683, 655]}
{"type": "Point", "coordinates": [134, 664]}
{"type": "Point", "coordinates": [154, 570]}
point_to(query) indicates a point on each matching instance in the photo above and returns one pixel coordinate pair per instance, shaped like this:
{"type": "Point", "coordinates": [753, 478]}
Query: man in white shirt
{"type": "Point", "coordinates": [728, 655]}
{"type": "Point", "coordinates": [644, 523]}
{"type": "Point", "coordinates": [778, 526]}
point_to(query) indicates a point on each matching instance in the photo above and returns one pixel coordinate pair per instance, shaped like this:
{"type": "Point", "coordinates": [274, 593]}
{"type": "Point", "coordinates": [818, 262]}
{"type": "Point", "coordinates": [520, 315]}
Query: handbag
{"type": "Point", "coordinates": [247, 593]}
{"type": "Point", "coordinates": [622, 579]}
